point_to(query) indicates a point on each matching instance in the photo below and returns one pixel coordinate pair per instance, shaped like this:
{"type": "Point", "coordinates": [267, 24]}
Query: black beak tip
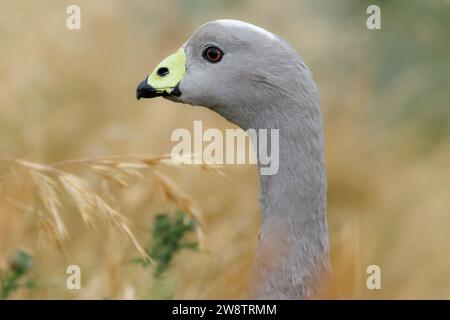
{"type": "Point", "coordinates": [144, 90]}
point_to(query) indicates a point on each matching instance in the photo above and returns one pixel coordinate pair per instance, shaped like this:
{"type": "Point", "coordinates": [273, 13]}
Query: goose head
{"type": "Point", "coordinates": [236, 69]}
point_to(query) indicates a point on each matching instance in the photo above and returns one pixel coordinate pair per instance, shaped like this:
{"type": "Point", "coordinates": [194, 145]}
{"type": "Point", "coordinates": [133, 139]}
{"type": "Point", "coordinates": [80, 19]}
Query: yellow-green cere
{"type": "Point", "coordinates": [176, 65]}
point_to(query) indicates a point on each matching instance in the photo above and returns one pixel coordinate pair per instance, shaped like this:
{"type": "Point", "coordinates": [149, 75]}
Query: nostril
{"type": "Point", "coordinates": [162, 72]}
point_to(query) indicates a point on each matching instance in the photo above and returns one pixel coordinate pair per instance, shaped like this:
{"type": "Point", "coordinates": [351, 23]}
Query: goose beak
{"type": "Point", "coordinates": [165, 79]}
{"type": "Point", "coordinates": [144, 90]}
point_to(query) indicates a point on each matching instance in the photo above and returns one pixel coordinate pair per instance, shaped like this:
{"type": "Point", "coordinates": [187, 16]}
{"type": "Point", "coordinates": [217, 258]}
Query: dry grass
{"type": "Point", "coordinates": [66, 94]}
{"type": "Point", "coordinates": [54, 182]}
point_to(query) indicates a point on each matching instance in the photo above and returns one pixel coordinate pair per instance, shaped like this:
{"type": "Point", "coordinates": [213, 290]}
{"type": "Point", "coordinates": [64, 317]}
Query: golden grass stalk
{"type": "Point", "coordinates": [48, 232]}
{"type": "Point", "coordinates": [52, 182]}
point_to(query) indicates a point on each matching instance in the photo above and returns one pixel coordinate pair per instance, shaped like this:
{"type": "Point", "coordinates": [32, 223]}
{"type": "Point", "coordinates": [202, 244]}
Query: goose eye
{"type": "Point", "coordinates": [213, 54]}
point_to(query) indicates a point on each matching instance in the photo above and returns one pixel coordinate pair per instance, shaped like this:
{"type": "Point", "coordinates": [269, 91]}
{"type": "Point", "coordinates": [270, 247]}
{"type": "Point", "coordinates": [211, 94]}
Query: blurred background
{"type": "Point", "coordinates": [67, 94]}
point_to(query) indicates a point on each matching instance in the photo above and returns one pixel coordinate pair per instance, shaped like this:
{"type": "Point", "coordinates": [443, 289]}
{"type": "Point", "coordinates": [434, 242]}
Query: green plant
{"type": "Point", "coordinates": [20, 263]}
{"type": "Point", "coordinates": [167, 239]}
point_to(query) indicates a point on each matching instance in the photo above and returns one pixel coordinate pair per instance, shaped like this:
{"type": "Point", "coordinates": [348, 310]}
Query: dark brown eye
{"type": "Point", "coordinates": [213, 54]}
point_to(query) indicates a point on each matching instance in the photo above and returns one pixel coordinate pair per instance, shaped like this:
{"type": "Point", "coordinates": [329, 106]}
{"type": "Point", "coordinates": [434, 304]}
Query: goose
{"type": "Point", "coordinates": [255, 79]}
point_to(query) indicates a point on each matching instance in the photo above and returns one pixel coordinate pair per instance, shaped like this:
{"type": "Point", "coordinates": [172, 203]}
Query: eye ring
{"type": "Point", "coordinates": [212, 54]}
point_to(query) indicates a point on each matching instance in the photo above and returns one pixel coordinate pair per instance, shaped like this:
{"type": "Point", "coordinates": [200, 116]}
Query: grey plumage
{"type": "Point", "coordinates": [262, 83]}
